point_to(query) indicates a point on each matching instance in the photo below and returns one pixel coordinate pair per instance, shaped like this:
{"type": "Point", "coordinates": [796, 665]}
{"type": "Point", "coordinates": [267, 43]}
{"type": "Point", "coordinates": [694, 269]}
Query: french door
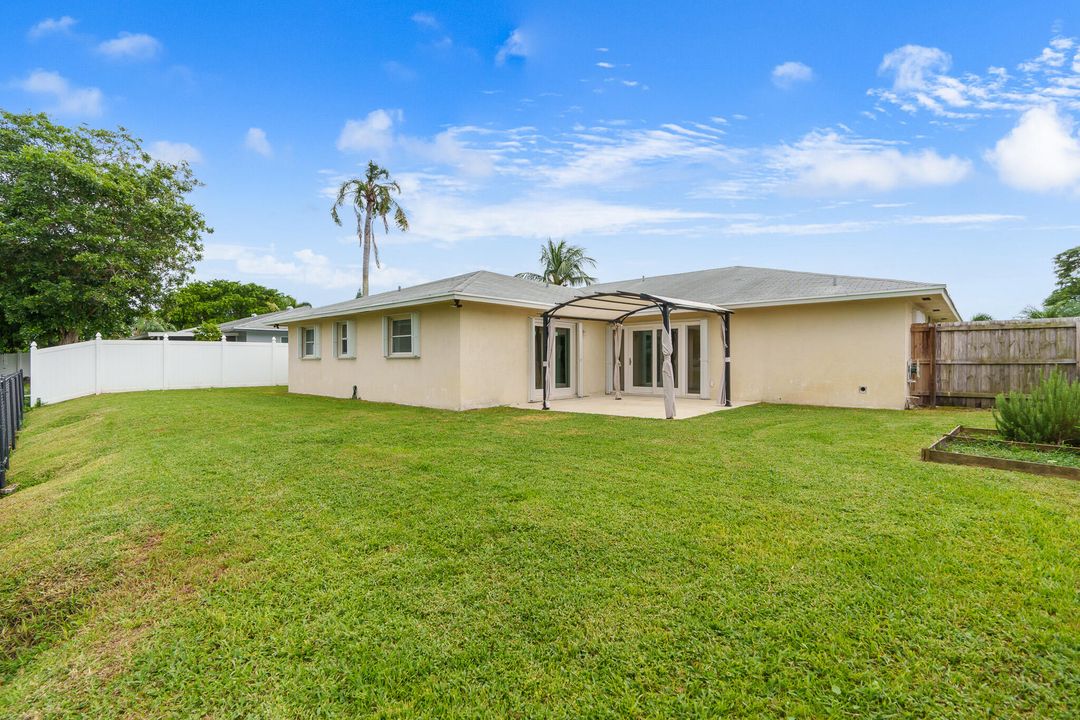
{"type": "Point", "coordinates": [643, 359]}
{"type": "Point", "coordinates": [563, 361]}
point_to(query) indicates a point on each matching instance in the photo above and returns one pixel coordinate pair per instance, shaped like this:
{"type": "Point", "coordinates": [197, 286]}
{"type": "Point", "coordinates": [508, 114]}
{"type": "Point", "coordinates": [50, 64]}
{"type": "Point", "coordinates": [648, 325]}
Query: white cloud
{"type": "Point", "coordinates": [1041, 153]}
{"type": "Point", "coordinates": [68, 100]}
{"type": "Point", "coordinates": [828, 161]}
{"type": "Point", "coordinates": [375, 133]}
{"type": "Point", "coordinates": [843, 227]}
{"type": "Point", "coordinates": [922, 82]}
{"type": "Point", "coordinates": [912, 66]}
{"type": "Point", "coordinates": [515, 46]}
{"type": "Point", "coordinates": [52, 26]}
{"type": "Point", "coordinates": [174, 153]}
{"type": "Point", "coordinates": [595, 158]}
{"type": "Point", "coordinates": [788, 74]}
{"type": "Point", "coordinates": [447, 148]}
{"type": "Point", "coordinates": [306, 266]}
{"type": "Point", "coordinates": [605, 65]}
{"type": "Point", "coordinates": [131, 46]}
{"type": "Point", "coordinates": [425, 20]}
{"type": "Point", "coordinates": [256, 141]}
{"type": "Point", "coordinates": [448, 218]}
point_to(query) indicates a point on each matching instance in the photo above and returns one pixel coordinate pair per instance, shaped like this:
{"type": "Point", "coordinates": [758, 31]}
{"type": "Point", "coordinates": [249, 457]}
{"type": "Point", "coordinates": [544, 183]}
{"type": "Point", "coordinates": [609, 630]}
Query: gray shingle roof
{"type": "Point", "coordinates": [480, 284]}
{"type": "Point", "coordinates": [265, 321]}
{"type": "Point", "coordinates": [728, 287]}
{"type": "Point", "coordinates": [739, 285]}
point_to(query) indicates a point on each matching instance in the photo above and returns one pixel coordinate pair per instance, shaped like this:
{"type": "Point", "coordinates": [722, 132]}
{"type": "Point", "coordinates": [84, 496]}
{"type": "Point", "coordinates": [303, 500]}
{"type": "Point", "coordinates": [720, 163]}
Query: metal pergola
{"type": "Point", "coordinates": [617, 306]}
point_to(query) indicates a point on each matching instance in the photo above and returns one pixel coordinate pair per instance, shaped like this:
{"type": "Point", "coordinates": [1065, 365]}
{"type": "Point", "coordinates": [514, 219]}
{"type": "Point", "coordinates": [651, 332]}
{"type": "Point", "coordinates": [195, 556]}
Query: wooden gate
{"type": "Point", "coordinates": [969, 363]}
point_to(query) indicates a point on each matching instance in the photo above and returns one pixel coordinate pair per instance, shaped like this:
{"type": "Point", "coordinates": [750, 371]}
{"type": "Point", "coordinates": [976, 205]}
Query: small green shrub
{"type": "Point", "coordinates": [207, 331]}
{"type": "Point", "coordinates": [1050, 414]}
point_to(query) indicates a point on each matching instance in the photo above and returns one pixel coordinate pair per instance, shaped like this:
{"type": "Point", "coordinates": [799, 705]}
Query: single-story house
{"type": "Point", "coordinates": [740, 334]}
{"type": "Point", "coordinates": [255, 328]}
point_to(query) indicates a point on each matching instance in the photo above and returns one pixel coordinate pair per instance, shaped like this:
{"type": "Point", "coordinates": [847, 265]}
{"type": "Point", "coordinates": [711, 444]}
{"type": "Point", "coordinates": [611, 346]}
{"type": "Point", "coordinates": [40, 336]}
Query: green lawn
{"type": "Point", "coordinates": [246, 553]}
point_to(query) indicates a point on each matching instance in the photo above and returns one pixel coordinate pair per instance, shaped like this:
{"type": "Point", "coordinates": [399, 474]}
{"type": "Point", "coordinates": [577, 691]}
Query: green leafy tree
{"type": "Point", "coordinates": [562, 264]}
{"type": "Point", "coordinates": [981, 316]}
{"type": "Point", "coordinates": [220, 301]}
{"type": "Point", "coordinates": [207, 331]}
{"type": "Point", "coordinates": [1067, 272]}
{"type": "Point", "coordinates": [93, 231]}
{"type": "Point", "coordinates": [371, 198]}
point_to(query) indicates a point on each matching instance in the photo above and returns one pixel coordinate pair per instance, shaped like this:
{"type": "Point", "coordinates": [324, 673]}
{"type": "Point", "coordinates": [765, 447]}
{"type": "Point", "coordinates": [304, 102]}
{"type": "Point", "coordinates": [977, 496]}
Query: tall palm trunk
{"type": "Point", "coordinates": [367, 249]}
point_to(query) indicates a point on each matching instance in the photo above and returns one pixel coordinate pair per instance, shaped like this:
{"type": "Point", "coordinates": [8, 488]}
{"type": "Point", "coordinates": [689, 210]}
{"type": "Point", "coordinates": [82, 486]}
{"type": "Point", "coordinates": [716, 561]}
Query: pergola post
{"type": "Point", "coordinates": [727, 359]}
{"type": "Point", "coordinates": [547, 360]}
{"type": "Point", "coordinates": [617, 375]}
{"type": "Point", "coordinates": [667, 373]}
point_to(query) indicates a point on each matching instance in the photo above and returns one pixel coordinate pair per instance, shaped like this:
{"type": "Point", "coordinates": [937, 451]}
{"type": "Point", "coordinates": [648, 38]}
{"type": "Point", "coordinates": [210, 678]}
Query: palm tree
{"type": "Point", "coordinates": [371, 196]}
{"type": "Point", "coordinates": [562, 265]}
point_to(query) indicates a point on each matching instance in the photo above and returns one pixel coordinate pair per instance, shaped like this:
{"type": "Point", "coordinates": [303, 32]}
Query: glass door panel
{"type": "Point", "coordinates": [562, 358]}
{"type": "Point", "coordinates": [693, 359]}
{"type": "Point", "coordinates": [641, 359]}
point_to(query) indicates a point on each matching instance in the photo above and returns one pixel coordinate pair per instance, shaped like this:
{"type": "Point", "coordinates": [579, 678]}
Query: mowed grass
{"type": "Point", "coordinates": [247, 553]}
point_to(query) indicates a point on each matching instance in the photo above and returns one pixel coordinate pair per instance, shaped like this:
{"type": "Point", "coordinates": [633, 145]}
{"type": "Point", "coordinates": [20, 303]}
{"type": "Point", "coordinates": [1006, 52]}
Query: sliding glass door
{"type": "Point", "coordinates": [643, 366]}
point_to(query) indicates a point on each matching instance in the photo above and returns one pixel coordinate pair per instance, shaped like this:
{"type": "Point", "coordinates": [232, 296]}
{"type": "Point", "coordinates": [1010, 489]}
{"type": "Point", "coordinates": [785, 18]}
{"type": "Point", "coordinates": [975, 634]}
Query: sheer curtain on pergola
{"type": "Point", "coordinates": [615, 307]}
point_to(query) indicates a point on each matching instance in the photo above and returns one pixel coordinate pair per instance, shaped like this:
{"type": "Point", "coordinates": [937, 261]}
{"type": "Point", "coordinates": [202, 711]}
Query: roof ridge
{"type": "Point", "coordinates": [913, 283]}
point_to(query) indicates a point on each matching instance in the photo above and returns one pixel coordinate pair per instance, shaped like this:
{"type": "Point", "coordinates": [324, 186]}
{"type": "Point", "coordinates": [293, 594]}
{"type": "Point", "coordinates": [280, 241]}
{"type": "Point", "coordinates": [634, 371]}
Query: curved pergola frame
{"type": "Point", "coordinates": [615, 307]}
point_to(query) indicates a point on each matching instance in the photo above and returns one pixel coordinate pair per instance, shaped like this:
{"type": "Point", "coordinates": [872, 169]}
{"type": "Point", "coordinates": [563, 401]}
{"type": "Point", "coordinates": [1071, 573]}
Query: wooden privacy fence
{"type": "Point", "coordinates": [11, 419]}
{"type": "Point", "coordinates": [969, 363]}
{"type": "Point", "coordinates": [107, 366]}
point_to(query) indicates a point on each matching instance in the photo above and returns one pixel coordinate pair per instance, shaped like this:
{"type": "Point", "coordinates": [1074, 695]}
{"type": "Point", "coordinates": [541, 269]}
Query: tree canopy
{"type": "Point", "coordinates": [1067, 272]}
{"type": "Point", "coordinates": [93, 231]}
{"type": "Point", "coordinates": [371, 198]}
{"type": "Point", "coordinates": [219, 301]}
{"type": "Point", "coordinates": [562, 264]}
{"type": "Point", "coordinates": [1064, 300]}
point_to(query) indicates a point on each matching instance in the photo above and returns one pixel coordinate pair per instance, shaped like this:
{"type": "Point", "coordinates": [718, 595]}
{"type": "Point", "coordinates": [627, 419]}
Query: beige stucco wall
{"type": "Point", "coordinates": [820, 354]}
{"type": "Point", "coordinates": [479, 355]}
{"type": "Point", "coordinates": [496, 352]}
{"type": "Point", "coordinates": [433, 379]}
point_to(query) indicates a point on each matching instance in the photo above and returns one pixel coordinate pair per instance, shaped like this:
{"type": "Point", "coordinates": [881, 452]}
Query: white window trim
{"type": "Point", "coordinates": [300, 344]}
{"type": "Point", "coordinates": [350, 336]}
{"type": "Point", "coordinates": [414, 325]}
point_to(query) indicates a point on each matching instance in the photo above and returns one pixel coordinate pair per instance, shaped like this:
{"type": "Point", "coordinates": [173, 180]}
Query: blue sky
{"type": "Point", "coordinates": [925, 141]}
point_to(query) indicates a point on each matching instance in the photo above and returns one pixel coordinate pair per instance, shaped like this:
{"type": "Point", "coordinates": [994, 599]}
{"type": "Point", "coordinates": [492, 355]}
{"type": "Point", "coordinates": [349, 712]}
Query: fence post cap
{"type": "Point", "coordinates": [165, 337]}
{"type": "Point", "coordinates": [97, 336]}
{"type": "Point", "coordinates": [33, 344]}
{"type": "Point", "coordinates": [273, 339]}
{"type": "Point", "coordinates": [222, 338]}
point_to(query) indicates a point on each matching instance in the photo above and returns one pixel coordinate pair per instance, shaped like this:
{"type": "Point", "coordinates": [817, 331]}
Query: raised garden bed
{"type": "Point", "coordinates": [986, 448]}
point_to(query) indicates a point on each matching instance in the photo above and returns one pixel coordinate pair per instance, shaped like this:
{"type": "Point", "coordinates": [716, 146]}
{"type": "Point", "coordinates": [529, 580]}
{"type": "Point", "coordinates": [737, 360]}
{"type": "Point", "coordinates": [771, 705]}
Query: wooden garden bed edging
{"type": "Point", "coordinates": [938, 453]}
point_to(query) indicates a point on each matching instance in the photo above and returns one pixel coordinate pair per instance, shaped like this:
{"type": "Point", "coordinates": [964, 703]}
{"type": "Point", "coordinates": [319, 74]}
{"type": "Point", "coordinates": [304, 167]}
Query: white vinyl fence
{"type": "Point", "coordinates": [107, 366]}
{"type": "Point", "coordinates": [11, 363]}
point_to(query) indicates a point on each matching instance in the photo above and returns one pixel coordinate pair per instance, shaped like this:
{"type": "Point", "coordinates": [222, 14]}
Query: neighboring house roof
{"type": "Point", "coordinates": [266, 322]}
{"type": "Point", "coordinates": [730, 287]}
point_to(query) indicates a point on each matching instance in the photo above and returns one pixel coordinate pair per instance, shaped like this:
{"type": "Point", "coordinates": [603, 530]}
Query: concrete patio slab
{"type": "Point", "coordinates": [641, 406]}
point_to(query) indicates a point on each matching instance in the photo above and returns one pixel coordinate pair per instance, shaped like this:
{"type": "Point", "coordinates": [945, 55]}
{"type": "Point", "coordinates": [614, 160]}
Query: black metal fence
{"type": "Point", "coordinates": [11, 419]}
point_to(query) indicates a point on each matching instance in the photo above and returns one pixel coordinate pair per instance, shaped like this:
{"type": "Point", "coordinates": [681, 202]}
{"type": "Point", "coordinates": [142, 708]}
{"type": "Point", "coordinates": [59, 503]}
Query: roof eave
{"type": "Point", "coordinates": [429, 300]}
{"type": "Point", "coordinates": [874, 295]}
